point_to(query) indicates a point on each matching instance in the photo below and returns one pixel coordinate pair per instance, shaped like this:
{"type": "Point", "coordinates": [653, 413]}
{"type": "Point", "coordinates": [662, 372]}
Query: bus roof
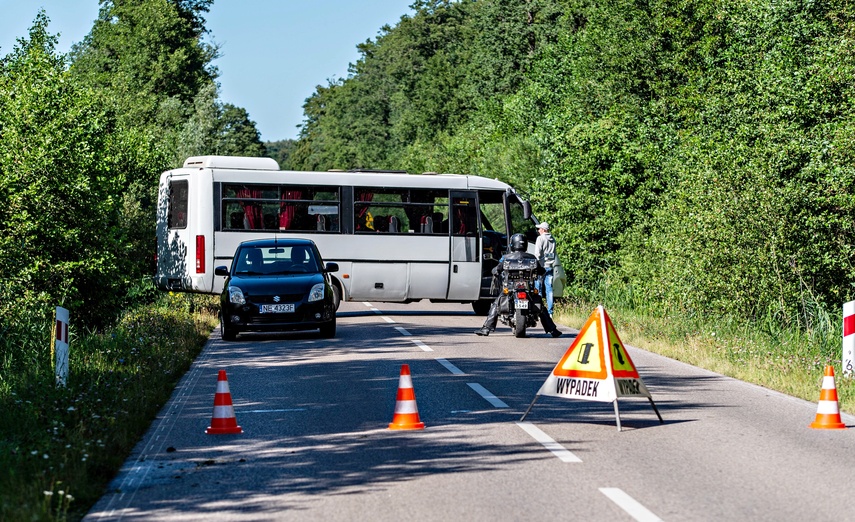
{"type": "Point", "coordinates": [231, 162]}
{"type": "Point", "coordinates": [266, 170]}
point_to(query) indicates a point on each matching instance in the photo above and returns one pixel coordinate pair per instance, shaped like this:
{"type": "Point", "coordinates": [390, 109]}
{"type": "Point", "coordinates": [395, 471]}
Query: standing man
{"type": "Point", "coordinates": [544, 250]}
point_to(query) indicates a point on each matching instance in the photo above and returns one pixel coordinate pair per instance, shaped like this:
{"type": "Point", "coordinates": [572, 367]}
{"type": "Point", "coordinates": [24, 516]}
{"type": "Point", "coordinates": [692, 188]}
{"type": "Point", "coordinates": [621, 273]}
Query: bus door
{"type": "Point", "coordinates": [464, 275]}
{"type": "Point", "coordinates": [173, 234]}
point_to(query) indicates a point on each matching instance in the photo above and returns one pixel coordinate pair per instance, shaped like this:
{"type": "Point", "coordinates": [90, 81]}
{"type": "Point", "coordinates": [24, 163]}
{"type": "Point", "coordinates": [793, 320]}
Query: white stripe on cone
{"type": "Point", "coordinates": [223, 412]}
{"type": "Point", "coordinates": [827, 408]}
{"type": "Point", "coordinates": [406, 407]}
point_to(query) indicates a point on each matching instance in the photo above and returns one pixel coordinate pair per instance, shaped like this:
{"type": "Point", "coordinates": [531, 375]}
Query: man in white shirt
{"type": "Point", "coordinates": [544, 250]}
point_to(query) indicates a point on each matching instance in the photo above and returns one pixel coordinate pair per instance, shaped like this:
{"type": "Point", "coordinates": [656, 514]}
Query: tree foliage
{"type": "Point", "coordinates": [60, 201]}
{"type": "Point", "coordinates": [696, 153]}
{"type": "Point", "coordinates": [83, 140]}
{"type": "Point", "coordinates": [143, 53]}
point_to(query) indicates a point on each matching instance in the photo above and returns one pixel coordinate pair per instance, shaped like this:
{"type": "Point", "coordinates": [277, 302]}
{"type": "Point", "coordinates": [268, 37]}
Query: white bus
{"type": "Point", "coordinates": [396, 237]}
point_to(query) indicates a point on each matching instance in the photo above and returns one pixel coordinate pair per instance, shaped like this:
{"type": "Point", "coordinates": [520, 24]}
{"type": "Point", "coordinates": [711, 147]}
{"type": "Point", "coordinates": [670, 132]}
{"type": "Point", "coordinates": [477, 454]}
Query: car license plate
{"type": "Point", "coordinates": [277, 308]}
{"type": "Point", "coordinates": [521, 304]}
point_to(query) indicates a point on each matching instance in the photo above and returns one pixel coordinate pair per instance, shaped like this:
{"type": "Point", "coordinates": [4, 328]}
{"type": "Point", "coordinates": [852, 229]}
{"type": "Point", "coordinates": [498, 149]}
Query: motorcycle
{"type": "Point", "coordinates": [519, 308]}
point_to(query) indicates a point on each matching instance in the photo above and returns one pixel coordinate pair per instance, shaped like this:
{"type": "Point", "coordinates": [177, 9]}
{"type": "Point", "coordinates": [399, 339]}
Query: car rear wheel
{"type": "Point", "coordinates": [328, 329]}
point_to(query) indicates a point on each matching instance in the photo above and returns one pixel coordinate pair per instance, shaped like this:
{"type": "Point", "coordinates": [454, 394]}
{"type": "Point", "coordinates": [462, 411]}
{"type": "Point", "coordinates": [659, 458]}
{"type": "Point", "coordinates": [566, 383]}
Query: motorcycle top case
{"type": "Point", "coordinates": [519, 268]}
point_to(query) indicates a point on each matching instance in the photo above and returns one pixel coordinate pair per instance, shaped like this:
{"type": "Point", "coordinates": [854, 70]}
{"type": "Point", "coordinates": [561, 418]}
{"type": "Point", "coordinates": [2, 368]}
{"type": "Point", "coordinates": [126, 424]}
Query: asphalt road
{"type": "Point", "coordinates": [316, 444]}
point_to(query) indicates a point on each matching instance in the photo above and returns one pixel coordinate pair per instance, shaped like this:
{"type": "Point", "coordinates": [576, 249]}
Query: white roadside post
{"type": "Point", "coordinates": [61, 346]}
{"type": "Point", "coordinates": [849, 339]}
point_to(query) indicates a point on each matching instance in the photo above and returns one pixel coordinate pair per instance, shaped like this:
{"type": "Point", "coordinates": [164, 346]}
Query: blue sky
{"type": "Point", "coordinates": [274, 53]}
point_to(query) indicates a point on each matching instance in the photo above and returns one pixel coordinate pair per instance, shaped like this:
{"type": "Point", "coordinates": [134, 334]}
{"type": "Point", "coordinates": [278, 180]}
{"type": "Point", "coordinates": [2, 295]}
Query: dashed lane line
{"type": "Point", "coordinates": [548, 442]}
{"type": "Point", "coordinates": [487, 395]}
{"type": "Point", "coordinates": [422, 345]}
{"type": "Point", "coordinates": [450, 367]}
{"type": "Point", "coordinates": [630, 505]}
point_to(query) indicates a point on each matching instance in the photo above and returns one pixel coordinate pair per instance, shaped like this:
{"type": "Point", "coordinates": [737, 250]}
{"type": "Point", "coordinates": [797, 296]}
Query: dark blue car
{"type": "Point", "coordinates": [277, 285]}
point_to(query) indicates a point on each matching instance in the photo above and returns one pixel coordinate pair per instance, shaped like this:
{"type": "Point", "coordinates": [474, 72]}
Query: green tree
{"type": "Point", "coordinates": [140, 54]}
{"type": "Point", "coordinates": [281, 151]}
{"type": "Point", "coordinates": [237, 134]}
{"type": "Point", "coordinates": [59, 209]}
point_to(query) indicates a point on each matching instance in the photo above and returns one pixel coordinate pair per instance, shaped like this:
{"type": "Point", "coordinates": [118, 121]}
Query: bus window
{"type": "Point", "coordinates": [307, 208]}
{"type": "Point", "coordinates": [464, 220]}
{"type": "Point", "coordinates": [302, 208]}
{"type": "Point", "coordinates": [177, 216]}
{"type": "Point", "coordinates": [380, 210]}
{"type": "Point", "coordinates": [400, 211]}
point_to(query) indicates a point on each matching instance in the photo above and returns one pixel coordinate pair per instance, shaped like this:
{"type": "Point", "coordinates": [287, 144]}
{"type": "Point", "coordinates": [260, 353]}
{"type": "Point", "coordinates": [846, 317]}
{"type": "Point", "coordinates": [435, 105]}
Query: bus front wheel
{"type": "Point", "coordinates": [481, 306]}
{"type": "Point", "coordinates": [336, 295]}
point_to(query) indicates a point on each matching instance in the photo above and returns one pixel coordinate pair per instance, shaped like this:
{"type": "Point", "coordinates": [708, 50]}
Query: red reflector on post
{"type": "Point", "coordinates": [200, 254]}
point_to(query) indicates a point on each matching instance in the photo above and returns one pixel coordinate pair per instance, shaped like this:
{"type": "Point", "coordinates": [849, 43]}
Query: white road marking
{"type": "Point", "coordinates": [548, 442]}
{"type": "Point", "coordinates": [450, 367]}
{"type": "Point", "coordinates": [403, 330]}
{"type": "Point", "coordinates": [630, 505]}
{"type": "Point", "coordinates": [372, 307]}
{"type": "Point", "coordinates": [489, 397]}
{"type": "Point", "coordinates": [269, 411]}
{"type": "Point", "coordinates": [388, 319]}
{"type": "Point", "coordinates": [422, 345]}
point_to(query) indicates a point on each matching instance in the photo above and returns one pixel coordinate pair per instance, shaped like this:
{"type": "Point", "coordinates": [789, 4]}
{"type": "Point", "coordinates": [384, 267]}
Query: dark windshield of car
{"type": "Point", "coordinates": [297, 259]}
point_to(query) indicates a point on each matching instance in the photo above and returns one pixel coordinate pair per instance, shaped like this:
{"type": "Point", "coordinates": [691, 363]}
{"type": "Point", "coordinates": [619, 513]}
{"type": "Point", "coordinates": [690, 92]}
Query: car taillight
{"type": "Point", "coordinates": [200, 254]}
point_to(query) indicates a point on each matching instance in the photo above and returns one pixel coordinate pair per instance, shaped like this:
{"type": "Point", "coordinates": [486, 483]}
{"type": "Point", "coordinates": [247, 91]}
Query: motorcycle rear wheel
{"type": "Point", "coordinates": [519, 323]}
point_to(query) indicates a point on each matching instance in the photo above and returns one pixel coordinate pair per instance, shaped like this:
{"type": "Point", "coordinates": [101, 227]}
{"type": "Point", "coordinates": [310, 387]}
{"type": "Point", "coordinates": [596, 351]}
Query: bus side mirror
{"type": "Point", "coordinates": [526, 210]}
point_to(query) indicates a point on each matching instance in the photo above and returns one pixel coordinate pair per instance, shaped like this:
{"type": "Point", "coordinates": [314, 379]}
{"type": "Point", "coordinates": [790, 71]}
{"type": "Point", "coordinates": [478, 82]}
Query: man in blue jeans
{"type": "Point", "coordinates": [544, 250]}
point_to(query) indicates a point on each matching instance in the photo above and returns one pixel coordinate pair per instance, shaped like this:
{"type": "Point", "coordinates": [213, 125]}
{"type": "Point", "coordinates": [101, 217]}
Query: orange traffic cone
{"type": "Point", "coordinates": [406, 412]}
{"type": "Point", "coordinates": [224, 420]}
{"type": "Point", "coordinates": [827, 413]}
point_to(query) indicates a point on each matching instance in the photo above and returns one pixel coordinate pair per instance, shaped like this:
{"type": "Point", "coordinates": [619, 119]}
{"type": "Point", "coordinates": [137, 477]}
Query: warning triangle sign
{"type": "Point", "coordinates": [596, 367]}
{"type": "Point", "coordinates": [585, 358]}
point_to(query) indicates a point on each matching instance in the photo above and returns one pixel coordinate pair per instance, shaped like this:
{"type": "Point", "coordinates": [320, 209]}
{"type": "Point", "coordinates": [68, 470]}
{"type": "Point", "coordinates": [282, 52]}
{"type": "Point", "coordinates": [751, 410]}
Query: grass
{"type": "Point", "coordinates": [60, 446]}
{"type": "Point", "coordinates": [790, 361]}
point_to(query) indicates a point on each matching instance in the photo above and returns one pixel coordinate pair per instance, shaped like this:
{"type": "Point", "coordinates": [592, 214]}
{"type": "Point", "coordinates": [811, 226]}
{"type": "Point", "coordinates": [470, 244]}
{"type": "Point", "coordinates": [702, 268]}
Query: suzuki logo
{"type": "Point", "coordinates": [275, 298]}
